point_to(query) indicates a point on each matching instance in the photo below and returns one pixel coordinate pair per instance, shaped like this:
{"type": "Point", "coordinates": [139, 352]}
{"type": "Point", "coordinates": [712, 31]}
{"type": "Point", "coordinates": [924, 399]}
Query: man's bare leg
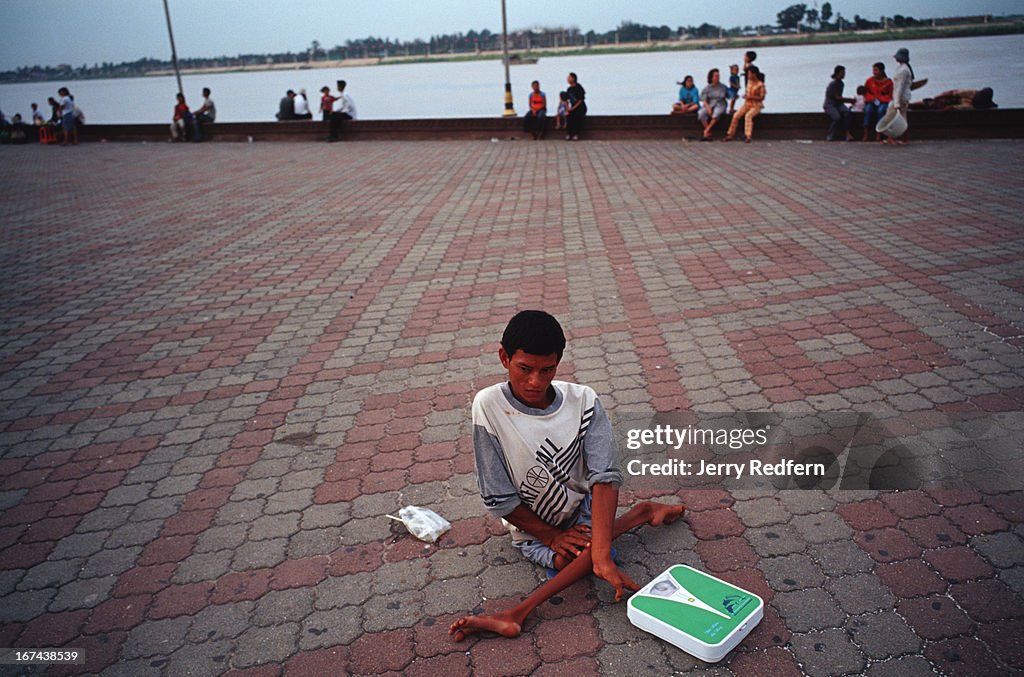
{"type": "Point", "coordinates": [510, 622]}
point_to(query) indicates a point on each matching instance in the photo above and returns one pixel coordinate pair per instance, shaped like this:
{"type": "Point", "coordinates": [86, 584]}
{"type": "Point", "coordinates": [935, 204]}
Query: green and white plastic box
{"type": "Point", "coordinates": [702, 615]}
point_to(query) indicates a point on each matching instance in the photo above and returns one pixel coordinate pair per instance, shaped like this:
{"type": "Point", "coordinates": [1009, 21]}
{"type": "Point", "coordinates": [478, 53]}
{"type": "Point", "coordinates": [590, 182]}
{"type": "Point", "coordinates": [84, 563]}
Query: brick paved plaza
{"type": "Point", "coordinates": [221, 365]}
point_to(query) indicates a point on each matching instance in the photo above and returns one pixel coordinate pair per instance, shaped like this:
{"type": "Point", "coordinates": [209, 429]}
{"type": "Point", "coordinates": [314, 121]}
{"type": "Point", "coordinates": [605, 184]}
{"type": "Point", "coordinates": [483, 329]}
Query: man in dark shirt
{"type": "Point", "coordinates": [286, 110]}
{"type": "Point", "coordinates": [835, 107]}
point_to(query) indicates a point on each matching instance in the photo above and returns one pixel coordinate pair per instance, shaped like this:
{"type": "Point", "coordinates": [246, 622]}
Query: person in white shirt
{"type": "Point", "coordinates": [902, 80]}
{"type": "Point", "coordinates": [37, 117]}
{"type": "Point", "coordinates": [206, 114]}
{"type": "Point", "coordinates": [67, 112]}
{"type": "Point", "coordinates": [302, 106]}
{"type": "Point", "coordinates": [344, 108]}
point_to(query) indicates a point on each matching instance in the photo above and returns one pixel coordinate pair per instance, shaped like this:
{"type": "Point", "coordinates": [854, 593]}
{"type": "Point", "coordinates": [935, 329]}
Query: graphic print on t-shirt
{"type": "Point", "coordinates": [549, 498]}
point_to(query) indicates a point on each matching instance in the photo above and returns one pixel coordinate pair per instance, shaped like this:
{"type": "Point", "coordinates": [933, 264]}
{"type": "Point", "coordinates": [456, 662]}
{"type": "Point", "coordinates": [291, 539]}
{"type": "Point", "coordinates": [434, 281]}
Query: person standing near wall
{"type": "Point", "coordinates": [902, 80]}
{"type": "Point", "coordinates": [577, 108]}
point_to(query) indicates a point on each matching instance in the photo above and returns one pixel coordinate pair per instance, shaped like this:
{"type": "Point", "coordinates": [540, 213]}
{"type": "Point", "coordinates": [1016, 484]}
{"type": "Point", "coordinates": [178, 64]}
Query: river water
{"type": "Point", "coordinates": [616, 84]}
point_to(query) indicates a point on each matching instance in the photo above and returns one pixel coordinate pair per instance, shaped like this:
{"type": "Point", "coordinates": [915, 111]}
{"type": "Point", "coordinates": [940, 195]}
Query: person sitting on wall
{"type": "Point", "coordinates": [344, 109]}
{"type": "Point", "coordinates": [18, 130]}
{"type": "Point", "coordinates": [689, 97]}
{"type": "Point", "coordinates": [958, 99]}
{"type": "Point", "coordinates": [753, 104]}
{"type": "Point", "coordinates": [836, 109]}
{"type": "Point", "coordinates": [535, 119]}
{"type": "Point", "coordinates": [207, 114]}
{"type": "Point", "coordinates": [302, 111]}
{"type": "Point", "coordinates": [714, 102]}
{"type": "Point", "coordinates": [877, 97]}
{"type": "Point", "coordinates": [182, 120]}
{"type": "Point", "coordinates": [286, 109]}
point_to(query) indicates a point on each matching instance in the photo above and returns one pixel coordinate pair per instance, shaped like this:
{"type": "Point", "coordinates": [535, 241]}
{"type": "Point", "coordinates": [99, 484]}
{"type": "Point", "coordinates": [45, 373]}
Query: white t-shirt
{"type": "Point", "coordinates": [344, 104]}
{"type": "Point", "coordinates": [901, 82]}
{"type": "Point", "coordinates": [547, 459]}
{"type": "Point", "coordinates": [210, 108]}
{"type": "Point", "coordinates": [301, 105]}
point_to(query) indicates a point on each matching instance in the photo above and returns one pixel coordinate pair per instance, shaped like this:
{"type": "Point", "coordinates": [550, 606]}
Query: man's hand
{"type": "Point", "coordinates": [572, 541]}
{"type": "Point", "coordinates": [607, 570]}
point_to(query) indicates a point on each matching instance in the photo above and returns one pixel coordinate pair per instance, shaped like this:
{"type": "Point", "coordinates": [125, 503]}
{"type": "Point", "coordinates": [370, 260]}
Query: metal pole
{"type": "Point", "coordinates": [508, 112]}
{"type": "Point", "coordinates": [174, 52]}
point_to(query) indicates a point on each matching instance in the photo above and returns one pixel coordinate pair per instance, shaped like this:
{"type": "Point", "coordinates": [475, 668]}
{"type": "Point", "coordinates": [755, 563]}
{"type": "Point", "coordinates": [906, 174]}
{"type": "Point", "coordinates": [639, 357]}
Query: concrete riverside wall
{"type": "Point", "coordinates": [973, 124]}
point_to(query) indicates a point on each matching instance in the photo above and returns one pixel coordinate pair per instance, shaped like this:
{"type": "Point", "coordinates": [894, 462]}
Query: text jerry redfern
{"type": "Point", "coordinates": [678, 468]}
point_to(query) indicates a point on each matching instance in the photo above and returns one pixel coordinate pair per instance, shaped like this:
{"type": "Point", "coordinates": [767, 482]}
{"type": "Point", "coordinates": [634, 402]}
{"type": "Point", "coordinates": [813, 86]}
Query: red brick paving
{"type": "Point", "coordinates": [976, 519]}
{"type": "Point", "coordinates": [933, 531]}
{"type": "Point", "coordinates": [332, 661]}
{"type": "Point", "coordinates": [935, 617]}
{"type": "Point", "coordinates": [726, 554]}
{"type": "Point", "coordinates": [987, 600]}
{"type": "Point", "coordinates": [962, 657]}
{"type": "Point", "coordinates": [566, 638]}
{"type": "Point", "coordinates": [713, 524]}
{"type": "Point", "coordinates": [505, 657]}
{"type": "Point", "coordinates": [867, 515]}
{"type": "Point", "coordinates": [958, 564]}
{"type": "Point", "coordinates": [256, 335]}
{"type": "Point", "coordinates": [888, 545]}
{"type": "Point", "coordinates": [1003, 638]}
{"type": "Point", "coordinates": [51, 630]}
{"type": "Point", "coordinates": [774, 662]}
{"type": "Point", "coordinates": [910, 578]}
{"type": "Point", "coordinates": [181, 600]}
{"type": "Point", "coordinates": [456, 665]}
{"type": "Point", "coordinates": [118, 613]}
{"type": "Point", "coordinates": [382, 651]}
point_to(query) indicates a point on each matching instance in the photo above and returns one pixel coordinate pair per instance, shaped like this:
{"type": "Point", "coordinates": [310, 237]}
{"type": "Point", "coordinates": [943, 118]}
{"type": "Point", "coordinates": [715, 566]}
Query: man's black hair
{"type": "Point", "coordinates": [534, 332]}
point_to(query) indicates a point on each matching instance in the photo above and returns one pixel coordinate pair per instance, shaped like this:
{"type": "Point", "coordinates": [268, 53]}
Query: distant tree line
{"type": "Point", "coordinates": [794, 18]}
{"type": "Point", "coordinates": [806, 19]}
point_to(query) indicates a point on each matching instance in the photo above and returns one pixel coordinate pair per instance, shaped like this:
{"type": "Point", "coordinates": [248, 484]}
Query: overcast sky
{"type": "Point", "coordinates": [93, 31]}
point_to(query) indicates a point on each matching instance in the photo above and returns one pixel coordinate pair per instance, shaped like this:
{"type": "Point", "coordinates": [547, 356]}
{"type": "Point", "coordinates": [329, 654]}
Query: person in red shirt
{"type": "Point", "coordinates": [534, 121]}
{"type": "Point", "coordinates": [877, 98]}
{"type": "Point", "coordinates": [182, 120]}
{"type": "Point", "coordinates": [326, 103]}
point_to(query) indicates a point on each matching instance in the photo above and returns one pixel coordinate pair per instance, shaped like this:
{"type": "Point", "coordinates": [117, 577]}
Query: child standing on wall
{"type": "Point", "coordinates": [734, 86]}
{"type": "Point", "coordinates": [563, 110]}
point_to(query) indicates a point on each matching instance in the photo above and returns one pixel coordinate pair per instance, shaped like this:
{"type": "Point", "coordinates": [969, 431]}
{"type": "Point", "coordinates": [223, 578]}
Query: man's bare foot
{"type": "Point", "coordinates": [500, 623]}
{"type": "Point", "coordinates": [664, 514]}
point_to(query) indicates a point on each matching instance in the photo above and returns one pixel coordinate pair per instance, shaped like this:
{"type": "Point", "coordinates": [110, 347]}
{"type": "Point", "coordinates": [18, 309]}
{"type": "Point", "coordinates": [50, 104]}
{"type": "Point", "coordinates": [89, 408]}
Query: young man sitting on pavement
{"type": "Point", "coordinates": [547, 464]}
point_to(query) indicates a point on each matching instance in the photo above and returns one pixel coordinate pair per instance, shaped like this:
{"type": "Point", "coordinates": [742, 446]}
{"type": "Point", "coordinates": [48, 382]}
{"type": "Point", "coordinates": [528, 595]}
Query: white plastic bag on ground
{"type": "Point", "coordinates": [423, 523]}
